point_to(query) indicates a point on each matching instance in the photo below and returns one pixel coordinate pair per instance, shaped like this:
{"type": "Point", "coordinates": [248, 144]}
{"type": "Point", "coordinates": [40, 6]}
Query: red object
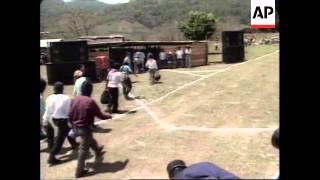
{"type": "Point", "coordinates": [101, 62]}
{"type": "Point", "coordinates": [263, 26]}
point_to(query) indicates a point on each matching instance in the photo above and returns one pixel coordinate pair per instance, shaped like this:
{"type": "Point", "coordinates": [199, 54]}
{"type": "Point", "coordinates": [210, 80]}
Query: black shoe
{"type": "Point", "coordinates": [99, 154]}
{"type": "Point", "coordinates": [54, 162]}
{"type": "Point", "coordinates": [82, 173]}
{"type": "Point", "coordinates": [100, 149]}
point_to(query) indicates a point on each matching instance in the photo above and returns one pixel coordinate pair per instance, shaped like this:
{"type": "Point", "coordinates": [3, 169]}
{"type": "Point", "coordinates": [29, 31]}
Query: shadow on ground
{"type": "Point", "coordinates": [62, 151]}
{"type": "Point", "coordinates": [105, 167]}
{"type": "Point", "coordinates": [102, 130]}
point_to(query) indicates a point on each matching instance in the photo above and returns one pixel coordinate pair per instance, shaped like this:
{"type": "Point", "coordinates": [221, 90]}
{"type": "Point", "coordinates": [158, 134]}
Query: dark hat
{"type": "Point", "coordinates": [275, 139]}
{"type": "Point", "coordinates": [174, 165]}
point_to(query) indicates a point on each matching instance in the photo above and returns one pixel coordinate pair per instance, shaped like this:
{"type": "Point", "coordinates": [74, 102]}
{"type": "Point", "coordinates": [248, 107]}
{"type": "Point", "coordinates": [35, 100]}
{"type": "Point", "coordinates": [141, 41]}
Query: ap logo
{"type": "Point", "coordinates": [263, 14]}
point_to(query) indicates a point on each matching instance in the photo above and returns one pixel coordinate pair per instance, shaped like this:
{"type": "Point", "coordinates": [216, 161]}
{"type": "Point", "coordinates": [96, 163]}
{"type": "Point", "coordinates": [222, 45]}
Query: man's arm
{"type": "Point", "coordinates": [75, 88]}
{"type": "Point", "coordinates": [97, 112]}
{"type": "Point", "coordinates": [47, 111]}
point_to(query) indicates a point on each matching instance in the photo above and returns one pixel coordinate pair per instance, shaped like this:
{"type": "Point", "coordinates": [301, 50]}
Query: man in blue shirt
{"type": "Point", "coordinates": [126, 82]}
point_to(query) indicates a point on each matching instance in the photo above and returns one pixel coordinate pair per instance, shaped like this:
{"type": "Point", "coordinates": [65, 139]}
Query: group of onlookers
{"type": "Point", "coordinates": [72, 118]}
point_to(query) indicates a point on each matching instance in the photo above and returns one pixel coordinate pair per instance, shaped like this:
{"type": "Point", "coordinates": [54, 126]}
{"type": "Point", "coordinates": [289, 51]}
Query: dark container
{"type": "Point", "coordinates": [68, 51]}
{"type": "Point", "coordinates": [233, 46]}
{"type": "Point", "coordinates": [63, 71]}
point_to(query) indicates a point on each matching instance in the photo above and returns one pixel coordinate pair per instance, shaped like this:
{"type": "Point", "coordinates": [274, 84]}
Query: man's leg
{"type": "Point", "coordinates": [50, 135]}
{"type": "Point", "coordinates": [115, 100]}
{"type": "Point", "coordinates": [96, 149]}
{"type": "Point", "coordinates": [150, 76]}
{"type": "Point", "coordinates": [72, 141]}
{"type": "Point", "coordinates": [85, 140]}
{"type": "Point", "coordinates": [153, 74]}
{"type": "Point", "coordinates": [61, 135]}
{"type": "Point", "coordinates": [110, 102]}
{"type": "Point", "coordinates": [189, 61]}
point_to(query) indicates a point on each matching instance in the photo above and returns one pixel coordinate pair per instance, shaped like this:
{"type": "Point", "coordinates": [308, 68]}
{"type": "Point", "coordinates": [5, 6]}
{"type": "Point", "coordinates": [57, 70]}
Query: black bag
{"type": "Point", "coordinates": [105, 97]}
{"type": "Point", "coordinates": [157, 76]}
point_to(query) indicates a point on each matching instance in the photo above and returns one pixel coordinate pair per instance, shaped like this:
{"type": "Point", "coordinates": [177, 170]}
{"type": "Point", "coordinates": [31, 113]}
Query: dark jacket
{"type": "Point", "coordinates": [83, 109]}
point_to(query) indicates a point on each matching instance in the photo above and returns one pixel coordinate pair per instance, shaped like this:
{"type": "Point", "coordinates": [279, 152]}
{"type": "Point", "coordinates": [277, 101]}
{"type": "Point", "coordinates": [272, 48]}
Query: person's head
{"type": "Point", "coordinates": [43, 85]}
{"type": "Point", "coordinates": [179, 48]}
{"type": "Point", "coordinates": [58, 88]}
{"type": "Point", "coordinates": [115, 65]}
{"type": "Point", "coordinates": [84, 71]}
{"type": "Point", "coordinates": [275, 139]}
{"type": "Point", "coordinates": [128, 54]}
{"type": "Point", "coordinates": [175, 167]}
{"type": "Point", "coordinates": [81, 67]}
{"type": "Point", "coordinates": [150, 56]}
{"type": "Point", "coordinates": [86, 88]}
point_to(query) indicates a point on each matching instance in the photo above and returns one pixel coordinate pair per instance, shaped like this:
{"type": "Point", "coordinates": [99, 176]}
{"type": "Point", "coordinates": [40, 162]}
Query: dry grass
{"type": "Point", "coordinates": [245, 96]}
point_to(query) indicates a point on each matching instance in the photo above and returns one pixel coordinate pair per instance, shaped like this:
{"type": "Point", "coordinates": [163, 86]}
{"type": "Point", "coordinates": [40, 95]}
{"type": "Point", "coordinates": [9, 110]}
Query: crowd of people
{"type": "Point", "coordinates": [73, 117]}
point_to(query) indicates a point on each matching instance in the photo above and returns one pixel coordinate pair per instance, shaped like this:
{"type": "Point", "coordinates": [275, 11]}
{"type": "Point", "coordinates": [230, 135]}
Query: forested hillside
{"type": "Point", "coordinates": [138, 19]}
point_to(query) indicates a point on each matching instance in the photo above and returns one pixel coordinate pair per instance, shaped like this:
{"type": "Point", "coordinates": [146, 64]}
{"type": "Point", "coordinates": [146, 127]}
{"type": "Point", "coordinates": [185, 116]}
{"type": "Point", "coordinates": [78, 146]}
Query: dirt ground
{"type": "Point", "coordinates": [221, 113]}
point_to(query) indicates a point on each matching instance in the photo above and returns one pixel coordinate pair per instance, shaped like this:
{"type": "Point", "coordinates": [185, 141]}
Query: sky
{"type": "Point", "coordinates": [107, 1]}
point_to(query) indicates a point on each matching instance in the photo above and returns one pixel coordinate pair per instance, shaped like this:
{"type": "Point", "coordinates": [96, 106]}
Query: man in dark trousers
{"type": "Point", "coordinates": [57, 113]}
{"type": "Point", "coordinates": [83, 109]}
{"type": "Point", "coordinates": [112, 85]}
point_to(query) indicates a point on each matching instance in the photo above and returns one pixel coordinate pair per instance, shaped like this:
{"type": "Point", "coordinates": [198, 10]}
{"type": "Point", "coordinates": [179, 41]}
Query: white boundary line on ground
{"type": "Point", "coordinates": [194, 71]}
{"type": "Point", "coordinates": [188, 128]}
{"type": "Point", "coordinates": [171, 127]}
{"type": "Point", "coordinates": [183, 72]}
{"type": "Point", "coordinates": [209, 75]}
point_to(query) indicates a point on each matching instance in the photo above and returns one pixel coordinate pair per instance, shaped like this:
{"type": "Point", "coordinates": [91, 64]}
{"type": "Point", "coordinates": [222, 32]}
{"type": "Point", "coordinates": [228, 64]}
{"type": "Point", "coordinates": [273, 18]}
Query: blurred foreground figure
{"type": "Point", "coordinates": [177, 169]}
{"type": "Point", "coordinates": [43, 85]}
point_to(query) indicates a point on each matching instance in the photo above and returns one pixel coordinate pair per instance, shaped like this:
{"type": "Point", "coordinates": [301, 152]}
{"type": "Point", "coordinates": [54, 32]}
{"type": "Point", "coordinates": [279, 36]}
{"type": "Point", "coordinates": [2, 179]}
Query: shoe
{"type": "Point", "coordinates": [82, 173]}
{"type": "Point", "coordinates": [54, 162]}
{"type": "Point", "coordinates": [107, 110]}
{"type": "Point", "coordinates": [100, 150]}
{"type": "Point", "coordinates": [72, 152]}
{"type": "Point", "coordinates": [99, 156]}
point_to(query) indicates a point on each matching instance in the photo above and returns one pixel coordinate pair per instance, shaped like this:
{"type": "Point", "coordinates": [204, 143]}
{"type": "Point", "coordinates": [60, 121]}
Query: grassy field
{"type": "Point", "coordinates": [232, 106]}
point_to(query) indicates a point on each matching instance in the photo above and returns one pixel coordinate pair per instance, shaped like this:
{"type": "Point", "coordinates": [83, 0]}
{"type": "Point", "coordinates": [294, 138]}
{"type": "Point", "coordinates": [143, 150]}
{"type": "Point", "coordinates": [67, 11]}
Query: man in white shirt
{"type": "Point", "coordinates": [179, 56]}
{"type": "Point", "coordinates": [163, 59]}
{"type": "Point", "coordinates": [79, 82]}
{"type": "Point", "coordinates": [187, 53]}
{"type": "Point", "coordinates": [57, 112]}
{"type": "Point", "coordinates": [152, 66]}
{"type": "Point", "coordinates": [113, 82]}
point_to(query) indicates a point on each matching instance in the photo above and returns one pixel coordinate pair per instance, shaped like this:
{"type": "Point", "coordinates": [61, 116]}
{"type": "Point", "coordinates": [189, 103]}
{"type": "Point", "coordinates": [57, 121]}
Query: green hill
{"type": "Point", "coordinates": [142, 19]}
